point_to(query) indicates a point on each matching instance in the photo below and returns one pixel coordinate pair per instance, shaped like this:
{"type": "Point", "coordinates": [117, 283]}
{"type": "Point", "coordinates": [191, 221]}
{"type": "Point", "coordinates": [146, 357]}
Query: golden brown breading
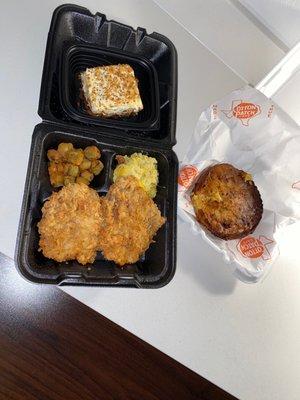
{"type": "Point", "coordinates": [129, 220]}
{"type": "Point", "coordinates": [69, 227]}
{"type": "Point", "coordinates": [227, 202]}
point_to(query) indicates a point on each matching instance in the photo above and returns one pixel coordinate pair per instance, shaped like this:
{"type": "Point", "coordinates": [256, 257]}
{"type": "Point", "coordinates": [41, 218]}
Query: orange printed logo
{"type": "Point", "coordinates": [187, 175]}
{"type": "Point", "coordinates": [252, 247]}
{"type": "Point", "coordinates": [243, 111]}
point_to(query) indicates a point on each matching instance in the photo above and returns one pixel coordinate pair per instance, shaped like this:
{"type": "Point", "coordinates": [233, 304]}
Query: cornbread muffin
{"type": "Point", "coordinates": [111, 91]}
{"type": "Point", "coordinates": [227, 202]}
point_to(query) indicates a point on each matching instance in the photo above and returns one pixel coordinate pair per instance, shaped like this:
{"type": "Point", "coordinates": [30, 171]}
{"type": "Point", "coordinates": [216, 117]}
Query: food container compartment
{"type": "Point", "coordinates": [155, 268]}
{"type": "Point", "coordinates": [78, 38]}
{"type": "Point", "coordinates": [77, 58]}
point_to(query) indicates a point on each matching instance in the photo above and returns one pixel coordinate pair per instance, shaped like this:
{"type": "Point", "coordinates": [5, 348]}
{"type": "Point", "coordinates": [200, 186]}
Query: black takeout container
{"type": "Point", "coordinates": [78, 39]}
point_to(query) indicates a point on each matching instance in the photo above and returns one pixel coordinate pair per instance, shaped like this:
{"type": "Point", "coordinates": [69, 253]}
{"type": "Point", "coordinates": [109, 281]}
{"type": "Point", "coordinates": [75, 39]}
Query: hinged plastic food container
{"type": "Point", "coordinates": [78, 39]}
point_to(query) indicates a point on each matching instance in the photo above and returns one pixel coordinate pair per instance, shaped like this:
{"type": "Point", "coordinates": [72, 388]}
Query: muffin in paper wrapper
{"type": "Point", "coordinates": [249, 131]}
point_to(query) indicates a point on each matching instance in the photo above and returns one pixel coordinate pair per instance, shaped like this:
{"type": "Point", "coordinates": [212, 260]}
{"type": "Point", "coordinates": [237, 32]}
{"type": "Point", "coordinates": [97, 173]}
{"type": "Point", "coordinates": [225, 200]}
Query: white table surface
{"type": "Point", "coordinates": [244, 338]}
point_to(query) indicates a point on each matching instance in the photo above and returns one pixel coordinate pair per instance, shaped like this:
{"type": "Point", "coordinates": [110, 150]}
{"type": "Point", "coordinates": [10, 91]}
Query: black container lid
{"type": "Point", "coordinates": [78, 39]}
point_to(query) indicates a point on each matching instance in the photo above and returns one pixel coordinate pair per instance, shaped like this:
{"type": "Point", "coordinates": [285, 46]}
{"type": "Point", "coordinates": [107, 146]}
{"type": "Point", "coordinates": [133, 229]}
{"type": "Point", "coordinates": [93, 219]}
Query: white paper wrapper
{"type": "Point", "coordinates": [249, 131]}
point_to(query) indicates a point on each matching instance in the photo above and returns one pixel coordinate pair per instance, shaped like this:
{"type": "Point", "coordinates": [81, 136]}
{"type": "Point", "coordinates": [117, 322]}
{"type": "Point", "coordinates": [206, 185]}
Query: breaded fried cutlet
{"type": "Point", "coordinates": [111, 91]}
{"type": "Point", "coordinates": [227, 202]}
{"type": "Point", "coordinates": [69, 228]}
{"type": "Point", "coordinates": [129, 220]}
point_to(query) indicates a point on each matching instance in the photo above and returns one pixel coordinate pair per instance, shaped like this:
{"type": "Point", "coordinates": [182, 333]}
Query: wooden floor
{"type": "Point", "coordinates": [54, 348]}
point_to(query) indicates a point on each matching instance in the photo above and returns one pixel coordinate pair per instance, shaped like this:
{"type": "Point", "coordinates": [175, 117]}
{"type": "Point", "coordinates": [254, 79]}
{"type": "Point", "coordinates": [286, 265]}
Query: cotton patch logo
{"type": "Point", "coordinates": [243, 111]}
{"type": "Point", "coordinates": [187, 175]}
{"type": "Point", "coordinates": [252, 247]}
